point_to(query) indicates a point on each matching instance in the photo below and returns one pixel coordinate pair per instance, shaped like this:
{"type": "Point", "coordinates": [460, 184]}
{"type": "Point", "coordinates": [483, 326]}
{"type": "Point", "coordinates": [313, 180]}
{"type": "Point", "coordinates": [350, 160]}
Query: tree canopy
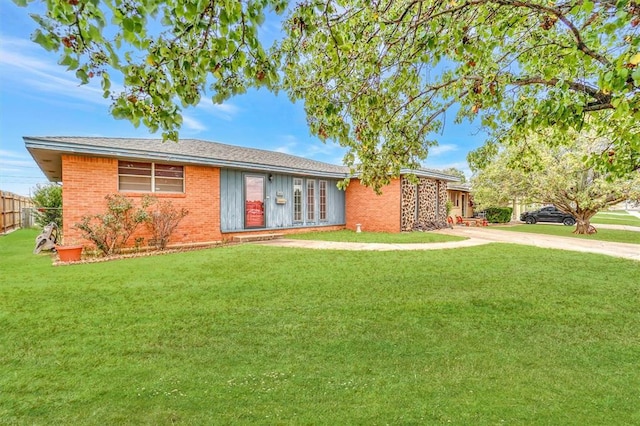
{"type": "Point", "coordinates": [376, 76]}
{"type": "Point", "coordinates": [456, 172]}
{"type": "Point", "coordinates": [533, 170]}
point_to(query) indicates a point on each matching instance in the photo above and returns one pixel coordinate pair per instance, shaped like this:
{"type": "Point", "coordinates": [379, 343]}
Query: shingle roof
{"type": "Point", "coordinates": [463, 187]}
{"type": "Point", "coordinates": [47, 150]}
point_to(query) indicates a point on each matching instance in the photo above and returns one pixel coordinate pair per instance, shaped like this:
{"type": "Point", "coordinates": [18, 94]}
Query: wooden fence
{"type": "Point", "coordinates": [17, 212]}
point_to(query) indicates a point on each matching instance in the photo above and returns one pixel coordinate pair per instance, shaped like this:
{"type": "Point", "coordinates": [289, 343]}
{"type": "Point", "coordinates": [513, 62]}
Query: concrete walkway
{"type": "Point", "coordinates": [623, 250]}
{"type": "Point", "coordinates": [634, 213]}
{"type": "Point", "coordinates": [478, 236]}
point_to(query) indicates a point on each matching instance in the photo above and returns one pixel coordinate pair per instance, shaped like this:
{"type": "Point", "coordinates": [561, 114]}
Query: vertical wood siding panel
{"type": "Point", "coordinates": [270, 200]}
{"type": "Point", "coordinates": [336, 209]}
{"type": "Point", "coordinates": [277, 215]}
{"type": "Point", "coordinates": [238, 197]}
{"type": "Point", "coordinates": [224, 195]}
{"type": "Point", "coordinates": [231, 195]}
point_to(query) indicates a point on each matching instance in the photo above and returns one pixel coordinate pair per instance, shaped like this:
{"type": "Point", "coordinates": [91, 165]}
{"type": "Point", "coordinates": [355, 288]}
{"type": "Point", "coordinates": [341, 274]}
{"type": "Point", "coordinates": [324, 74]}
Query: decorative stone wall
{"type": "Point", "coordinates": [443, 197]}
{"type": "Point", "coordinates": [408, 205]}
{"type": "Point", "coordinates": [430, 197]}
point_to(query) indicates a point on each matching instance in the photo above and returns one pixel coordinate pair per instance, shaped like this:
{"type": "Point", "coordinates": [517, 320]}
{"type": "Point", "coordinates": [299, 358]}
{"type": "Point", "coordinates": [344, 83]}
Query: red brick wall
{"type": "Point", "coordinates": [87, 180]}
{"type": "Point", "coordinates": [375, 213]}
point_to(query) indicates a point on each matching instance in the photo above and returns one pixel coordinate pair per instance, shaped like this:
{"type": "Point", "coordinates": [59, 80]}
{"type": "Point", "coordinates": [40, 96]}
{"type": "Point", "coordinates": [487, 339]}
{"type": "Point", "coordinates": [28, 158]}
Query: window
{"type": "Point", "coordinates": [150, 177]}
{"type": "Point", "coordinates": [323, 199]}
{"type": "Point", "coordinates": [311, 200]}
{"type": "Point", "coordinates": [297, 200]}
{"type": "Point", "coordinates": [455, 200]}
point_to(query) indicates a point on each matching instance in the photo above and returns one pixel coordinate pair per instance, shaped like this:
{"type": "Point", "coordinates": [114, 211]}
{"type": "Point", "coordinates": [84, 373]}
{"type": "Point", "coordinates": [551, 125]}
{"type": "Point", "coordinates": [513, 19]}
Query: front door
{"type": "Point", "coordinates": [254, 201]}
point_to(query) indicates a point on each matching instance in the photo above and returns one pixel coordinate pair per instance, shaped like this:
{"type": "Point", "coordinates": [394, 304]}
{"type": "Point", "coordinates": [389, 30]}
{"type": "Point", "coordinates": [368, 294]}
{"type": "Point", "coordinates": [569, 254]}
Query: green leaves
{"type": "Point", "coordinates": [377, 80]}
{"type": "Point", "coordinates": [518, 67]}
{"type": "Point", "coordinates": [49, 43]}
{"type": "Point", "coordinates": [81, 74]}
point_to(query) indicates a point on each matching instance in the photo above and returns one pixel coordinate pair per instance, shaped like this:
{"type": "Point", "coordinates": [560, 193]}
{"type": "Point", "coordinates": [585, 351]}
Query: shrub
{"type": "Point", "coordinates": [498, 214]}
{"type": "Point", "coordinates": [48, 200]}
{"type": "Point", "coordinates": [110, 231]}
{"type": "Point", "coordinates": [163, 221]}
{"type": "Point", "coordinates": [449, 207]}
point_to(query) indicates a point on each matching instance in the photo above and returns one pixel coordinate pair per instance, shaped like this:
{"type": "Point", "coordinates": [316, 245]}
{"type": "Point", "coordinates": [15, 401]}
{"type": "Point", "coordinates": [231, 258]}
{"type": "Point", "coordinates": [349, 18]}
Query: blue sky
{"type": "Point", "coordinates": [39, 98]}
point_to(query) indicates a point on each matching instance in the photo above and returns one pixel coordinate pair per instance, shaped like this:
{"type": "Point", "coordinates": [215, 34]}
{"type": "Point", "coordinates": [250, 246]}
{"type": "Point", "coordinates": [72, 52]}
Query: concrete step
{"type": "Point", "coordinates": [256, 237]}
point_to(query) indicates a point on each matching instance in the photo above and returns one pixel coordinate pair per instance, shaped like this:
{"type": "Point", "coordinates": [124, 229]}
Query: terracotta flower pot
{"type": "Point", "coordinates": [69, 253]}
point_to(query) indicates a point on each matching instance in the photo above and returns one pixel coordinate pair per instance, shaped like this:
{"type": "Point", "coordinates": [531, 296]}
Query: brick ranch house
{"type": "Point", "coordinates": [230, 190]}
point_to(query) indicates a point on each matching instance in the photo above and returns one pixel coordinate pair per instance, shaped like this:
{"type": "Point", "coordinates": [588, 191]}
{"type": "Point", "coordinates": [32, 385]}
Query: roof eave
{"type": "Point", "coordinates": [35, 144]}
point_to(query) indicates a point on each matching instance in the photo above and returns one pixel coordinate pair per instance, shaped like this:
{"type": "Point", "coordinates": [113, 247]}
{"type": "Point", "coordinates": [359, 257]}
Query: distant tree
{"type": "Point", "coordinates": [48, 200]}
{"type": "Point", "coordinates": [498, 182]}
{"type": "Point", "coordinates": [456, 172]}
{"type": "Point", "coordinates": [532, 169]}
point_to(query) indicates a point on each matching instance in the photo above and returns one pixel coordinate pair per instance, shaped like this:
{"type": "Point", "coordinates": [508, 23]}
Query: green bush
{"type": "Point", "coordinates": [163, 220]}
{"type": "Point", "coordinates": [498, 214]}
{"type": "Point", "coordinates": [48, 200]}
{"type": "Point", "coordinates": [111, 230]}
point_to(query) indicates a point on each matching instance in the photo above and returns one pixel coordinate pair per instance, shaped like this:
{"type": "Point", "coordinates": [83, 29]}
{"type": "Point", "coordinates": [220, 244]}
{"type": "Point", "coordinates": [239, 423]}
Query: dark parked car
{"type": "Point", "coordinates": [548, 214]}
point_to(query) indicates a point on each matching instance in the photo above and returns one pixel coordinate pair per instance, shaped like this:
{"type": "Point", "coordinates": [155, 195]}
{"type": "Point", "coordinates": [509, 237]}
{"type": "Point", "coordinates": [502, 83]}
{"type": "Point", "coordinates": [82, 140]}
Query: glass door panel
{"type": "Point", "coordinates": [254, 202]}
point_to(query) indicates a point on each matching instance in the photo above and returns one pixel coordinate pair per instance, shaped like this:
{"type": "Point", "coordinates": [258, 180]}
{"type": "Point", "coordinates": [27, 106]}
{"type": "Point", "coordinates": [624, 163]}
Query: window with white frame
{"type": "Point", "coordinates": [322, 189]}
{"type": "Point", "coordinates": [311, 200]}
{"type": "Point", "coordinates": [297, 200]}
{"type": "Point", "coordinates": [136, 176]}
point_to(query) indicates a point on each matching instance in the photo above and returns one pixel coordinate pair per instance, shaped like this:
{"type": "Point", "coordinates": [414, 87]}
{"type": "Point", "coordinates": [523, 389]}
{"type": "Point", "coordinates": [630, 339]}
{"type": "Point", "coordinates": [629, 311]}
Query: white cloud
{"type": "Point", "coordinates": [226, 111]}
{"type": "Point", "coordinates": [314, 149]}
{"type": "Point", "coordinates": [25, 62]}
{"type": "Point", "coordinates": [192, 124]}
{"type": "Point", "coordinates": [283, 150]}
{"type": "Point", "coordinates": [288, 144]}
{"type": "Point", "coordinates": [11, 154]}
{"type": "Point", "coordinates": [12, 161]}
{"type": "Point", "coordinates": [18, 164]}
{"type": "Point", "coordinates": [434, 151]}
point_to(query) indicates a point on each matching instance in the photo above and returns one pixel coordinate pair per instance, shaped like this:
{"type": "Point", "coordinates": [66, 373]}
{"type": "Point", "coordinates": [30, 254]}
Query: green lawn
{"type": "Point", "coordinates": [496, 334]}
{"type": "Point", "coordinates": [376, 237]}
{"type": "Point", "coordinates": [617, 217]}
{"type": "Point", "coordinates": [613, 235]}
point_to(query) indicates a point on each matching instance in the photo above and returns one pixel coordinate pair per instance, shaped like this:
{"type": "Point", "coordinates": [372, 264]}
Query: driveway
{"type": "Point", "coordinates": [488, 234]}
{"type": "Point", "coordinates": [477, 236]}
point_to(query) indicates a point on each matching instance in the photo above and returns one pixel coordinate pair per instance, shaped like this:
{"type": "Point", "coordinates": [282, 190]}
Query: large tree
{"type": "Point", "coordinates": [376, 76]}
{"type": "Point", "coordinates": [533, 170]}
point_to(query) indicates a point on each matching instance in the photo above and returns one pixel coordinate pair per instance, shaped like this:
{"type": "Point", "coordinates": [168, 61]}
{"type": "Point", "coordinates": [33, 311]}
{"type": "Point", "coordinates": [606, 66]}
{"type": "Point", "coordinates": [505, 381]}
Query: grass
{"type": "Point", "coordinates": [377, 237]}
{"type": "Point", "coordinates": [264, 335]}
{"type": "Point", "coordinates": [618, 217]}
{"type": "Point", "coordinates": [612, 235]}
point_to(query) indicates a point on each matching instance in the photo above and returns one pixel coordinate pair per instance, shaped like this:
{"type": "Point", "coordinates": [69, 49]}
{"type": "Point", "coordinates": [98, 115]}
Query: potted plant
{"type": "Point", "coordinates": [69, 252]}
